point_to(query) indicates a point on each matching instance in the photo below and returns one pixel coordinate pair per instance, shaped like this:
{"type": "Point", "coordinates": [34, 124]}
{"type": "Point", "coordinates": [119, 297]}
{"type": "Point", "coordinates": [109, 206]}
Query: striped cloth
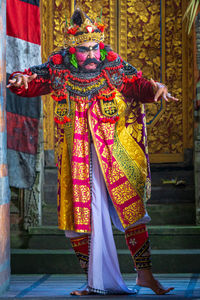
{"type": "Point", "coordinates": [23, 49]}
{"type": "Point", "coordinates": [4, 184]}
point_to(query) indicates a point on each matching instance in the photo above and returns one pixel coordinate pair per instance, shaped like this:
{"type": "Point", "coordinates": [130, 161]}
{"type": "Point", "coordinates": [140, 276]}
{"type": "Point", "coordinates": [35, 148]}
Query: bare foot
{"type": "Point", "coordinates": [80, 293]}
{"type": "Point", "coordinates": [146, 279]}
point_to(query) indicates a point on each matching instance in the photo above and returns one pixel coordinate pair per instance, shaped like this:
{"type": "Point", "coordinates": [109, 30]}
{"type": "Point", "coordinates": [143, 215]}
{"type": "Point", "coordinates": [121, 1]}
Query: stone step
{"type": "Point", "coordinates": [170, 194]}
{"type": "Point", "coordinates": [172, 214]}
{"type": "Point", "coordinates": [159, 172]}
{"type": "Point", "coordinates": [161, 237]}
{"type": "Point", "coordinates": [161, 193]}
{"type": "Point", "coordinates": [161, 214]}
{"type": "Point", "coordinates": [49, 215]}
{"type": "Point", "coordinates": [169, 204]}
{"type": "Point", "coordinates": [50, 194]}
{"type": "Point", "coordinates": [50, 176]}
{"type": "Point", "coordinates": [29, 261]}
{"type": "Point", "coordinates": [158, 175]}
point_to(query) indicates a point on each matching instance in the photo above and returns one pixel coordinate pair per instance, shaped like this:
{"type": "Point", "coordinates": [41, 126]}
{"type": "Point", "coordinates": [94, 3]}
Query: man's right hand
{"type": "Point", "coordinates": [19, 80]}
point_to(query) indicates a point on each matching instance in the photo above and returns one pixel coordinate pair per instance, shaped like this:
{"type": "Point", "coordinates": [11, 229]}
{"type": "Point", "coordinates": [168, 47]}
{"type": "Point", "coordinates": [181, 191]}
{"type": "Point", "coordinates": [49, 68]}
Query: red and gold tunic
{"type": "Point", "coordinates": [107, 107]}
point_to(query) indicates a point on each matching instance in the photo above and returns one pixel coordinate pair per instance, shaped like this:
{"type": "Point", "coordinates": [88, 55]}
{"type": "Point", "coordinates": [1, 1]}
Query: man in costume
{"type": "Point", "coordinates": [102, 156]}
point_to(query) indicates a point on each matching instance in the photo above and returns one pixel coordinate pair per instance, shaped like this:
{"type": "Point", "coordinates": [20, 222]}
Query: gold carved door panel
{"type": "Point", "coordinates": [151, 36]}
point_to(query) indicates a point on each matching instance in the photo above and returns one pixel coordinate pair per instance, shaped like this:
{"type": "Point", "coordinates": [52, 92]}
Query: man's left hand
{"type": "Point", "coordinates": [161, 91]}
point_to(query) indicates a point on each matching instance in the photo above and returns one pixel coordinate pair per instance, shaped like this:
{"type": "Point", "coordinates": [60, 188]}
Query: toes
{"type": "Point", "coordinates": [79, 293]}
{"type": "Point", "coordinates": [73, 293]}
{"type": "Point", "coordinates": [161, 291]}
{"type": "Point", "coordinates": [76, 293]}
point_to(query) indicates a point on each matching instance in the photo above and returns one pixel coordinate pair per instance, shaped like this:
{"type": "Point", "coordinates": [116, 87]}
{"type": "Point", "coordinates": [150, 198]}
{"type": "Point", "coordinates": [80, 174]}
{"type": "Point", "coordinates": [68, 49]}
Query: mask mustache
{"type": "Point", "coordinates": [91, 60]}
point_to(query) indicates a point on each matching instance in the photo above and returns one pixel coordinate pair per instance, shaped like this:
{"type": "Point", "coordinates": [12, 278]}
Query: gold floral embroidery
{"type": "Point", "coordinates": [106, 129]}
{"type": "Point", "coordinates": [107, 154]}
{"type": "Point", "coordinates": [134, 212]}
{"type": "Point", "coordinates": [116, 173]}
{"type": "Point", "coordinates": [126, 141]}
{"type": "Point", "coordinates": [123, 192]}
{"type": "Point", "coordinates": [81, 147]}
{"type": "Point", "coordinates": [134, 128]}
{"type": "Point", "coordinates": [110, 169]}
{"type": "Point", "coordinates": [129, 167]}
{"type": "Point", "coordinates": [82, 215]}
{"type": "Point", "coordinates": [81, 192]}
{"type": "Point", "coordinates": [79, 170]}
{"type": "Point", "coordinates": [99, 144]}
{"type": "Point", "coordinates": [80, 128]}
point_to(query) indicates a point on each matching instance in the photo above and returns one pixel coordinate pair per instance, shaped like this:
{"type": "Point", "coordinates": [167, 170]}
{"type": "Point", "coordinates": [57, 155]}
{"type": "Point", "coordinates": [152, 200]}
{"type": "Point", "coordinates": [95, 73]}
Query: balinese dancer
{"type": "Point", "coordinates": [102, 156]}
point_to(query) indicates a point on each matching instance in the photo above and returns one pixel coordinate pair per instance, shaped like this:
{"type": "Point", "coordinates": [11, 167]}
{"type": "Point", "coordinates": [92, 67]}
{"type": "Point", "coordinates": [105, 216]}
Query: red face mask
{"type": "Point", "coordinates": [88, 55]}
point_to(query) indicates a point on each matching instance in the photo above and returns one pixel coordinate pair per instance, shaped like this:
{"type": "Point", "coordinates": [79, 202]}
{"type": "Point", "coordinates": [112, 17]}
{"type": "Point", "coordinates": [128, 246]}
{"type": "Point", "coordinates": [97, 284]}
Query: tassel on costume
{"type": "Point", "coordinates": [138, 244]}
{"type": "Point", "coordinates": [81, 248]}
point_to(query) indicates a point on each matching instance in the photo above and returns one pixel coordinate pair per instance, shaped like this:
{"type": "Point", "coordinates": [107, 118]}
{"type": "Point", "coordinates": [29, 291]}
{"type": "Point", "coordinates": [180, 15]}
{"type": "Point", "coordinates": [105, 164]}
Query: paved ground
{"type": "Point", "coordinates": [59, 286]}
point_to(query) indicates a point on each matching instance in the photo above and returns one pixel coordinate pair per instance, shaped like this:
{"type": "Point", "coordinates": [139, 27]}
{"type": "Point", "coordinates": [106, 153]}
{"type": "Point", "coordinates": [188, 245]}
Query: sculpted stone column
{"type": "Point", "coordinates": [4, 187]}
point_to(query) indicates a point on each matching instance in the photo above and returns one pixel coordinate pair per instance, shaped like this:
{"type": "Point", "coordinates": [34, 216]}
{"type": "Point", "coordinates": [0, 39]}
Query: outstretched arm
{"type": "Point", "coordinates": [28, 84]}
{"type": "Point", "coordinates": [161, 91]}
{"type": "Point", "coordinates": [141, 90]}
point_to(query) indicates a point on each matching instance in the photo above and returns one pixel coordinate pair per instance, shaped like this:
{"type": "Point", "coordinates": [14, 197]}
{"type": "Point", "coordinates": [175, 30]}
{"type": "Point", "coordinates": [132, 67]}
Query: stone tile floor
{"type": "Point", "coordinates": [59, 286]}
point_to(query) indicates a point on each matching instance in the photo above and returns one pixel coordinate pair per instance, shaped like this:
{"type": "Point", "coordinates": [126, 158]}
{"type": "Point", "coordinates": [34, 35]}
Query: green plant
{"type": "Point", "coordinates": [190, 13]}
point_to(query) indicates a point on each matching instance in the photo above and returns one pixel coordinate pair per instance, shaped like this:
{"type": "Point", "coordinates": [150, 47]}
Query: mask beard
{"type": "Point", "coordinates": [99, 64]}
{"type": "Point", "coordinates": [89, 61]}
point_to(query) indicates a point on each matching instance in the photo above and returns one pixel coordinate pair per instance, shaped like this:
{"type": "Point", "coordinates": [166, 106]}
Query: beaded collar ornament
{"type": "Point", "coordinates": [82, 29]}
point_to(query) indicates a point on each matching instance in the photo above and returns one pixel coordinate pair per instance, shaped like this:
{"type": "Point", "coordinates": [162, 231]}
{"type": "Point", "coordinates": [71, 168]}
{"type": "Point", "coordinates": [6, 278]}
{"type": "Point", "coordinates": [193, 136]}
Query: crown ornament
{"type": "Point", "coordinates": [82, 29]}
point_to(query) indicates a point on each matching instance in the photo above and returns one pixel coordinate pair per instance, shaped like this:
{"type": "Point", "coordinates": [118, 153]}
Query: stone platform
{"type": "Point", "coordinates": [186, 286]}
{"type": "Point", "coordinates": [175, 249]}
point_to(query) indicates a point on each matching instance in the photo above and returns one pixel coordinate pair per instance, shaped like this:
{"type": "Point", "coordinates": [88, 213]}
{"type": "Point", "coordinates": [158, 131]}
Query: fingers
{"type": "Point", "coordinates": [30, 78]}
{"type": "Point", "coordinates": [170, 97]}
{"type": "Point", "coordinates": [11, 82]}
{"type": "Point", "coordinates": [159, 89]}
{"type": "Point", "coordinates": [165, 98]}
{"type": "Point", "coordinates": [165, 95]}
{"type": "Point", "coordinates": [16, 81]}
{"type": "Point", "coordinates": [162, 91]}
{"type": "Point", "coordinates": [20, 80]}
{"type": "Point", "coordinates": [25, 81]}
{"type": "Point", "coordinates": [153, 83]}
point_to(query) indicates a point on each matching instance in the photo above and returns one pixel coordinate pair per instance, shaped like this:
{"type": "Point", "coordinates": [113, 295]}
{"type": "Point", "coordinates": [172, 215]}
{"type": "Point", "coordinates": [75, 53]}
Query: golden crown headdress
{"type": "Point", "coordinates": [82, 30]}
